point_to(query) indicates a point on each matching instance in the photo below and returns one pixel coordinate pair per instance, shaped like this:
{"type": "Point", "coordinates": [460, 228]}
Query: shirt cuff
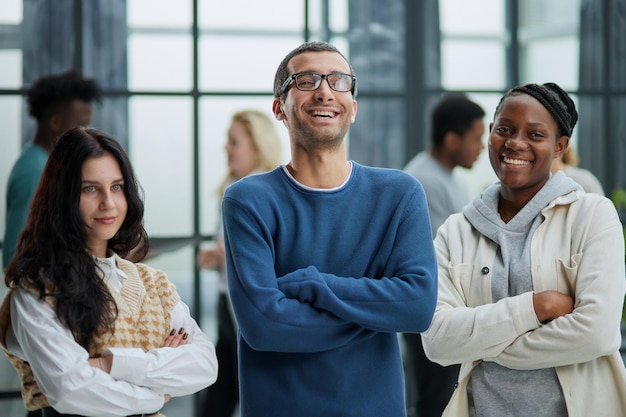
{"type": "Point", "coordinates": [129, 364]}
{"type": "Point", "coordinates": [532, 306]}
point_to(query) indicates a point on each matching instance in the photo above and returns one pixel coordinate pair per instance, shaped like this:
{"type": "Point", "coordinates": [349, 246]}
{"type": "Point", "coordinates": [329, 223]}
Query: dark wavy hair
{"type": "Point", "coordinates": [54, 91]}
{"type": "Point", "coordinates": [51, 257]}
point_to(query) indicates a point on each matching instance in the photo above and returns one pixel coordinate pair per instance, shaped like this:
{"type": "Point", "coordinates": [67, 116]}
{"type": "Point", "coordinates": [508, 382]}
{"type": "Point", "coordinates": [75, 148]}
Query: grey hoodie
{"type": "Point", "coordinates": [496, 390]}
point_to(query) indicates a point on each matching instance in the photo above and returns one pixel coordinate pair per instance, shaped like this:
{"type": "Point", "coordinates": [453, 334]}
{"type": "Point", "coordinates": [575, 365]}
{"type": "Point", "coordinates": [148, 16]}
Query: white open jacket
{"type": "Point", "coordinates": [577, 250]}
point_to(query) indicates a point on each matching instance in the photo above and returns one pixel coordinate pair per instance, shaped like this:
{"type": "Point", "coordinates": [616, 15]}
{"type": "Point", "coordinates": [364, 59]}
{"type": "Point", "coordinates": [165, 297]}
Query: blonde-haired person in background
{"type": "Point", "coordinates": [568, 163]}
{"type": "Point", "coordinates": [253, 146]}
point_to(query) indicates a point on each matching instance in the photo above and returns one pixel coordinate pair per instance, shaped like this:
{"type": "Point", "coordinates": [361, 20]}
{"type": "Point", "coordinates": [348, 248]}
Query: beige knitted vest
{"type": "Point", "coordinates": [144, 316]}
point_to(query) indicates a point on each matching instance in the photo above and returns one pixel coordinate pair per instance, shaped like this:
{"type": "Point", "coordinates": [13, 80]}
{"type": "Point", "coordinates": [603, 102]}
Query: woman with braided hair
{"type": "Point", "coordinates": [531, 278]}
{"type": "Point", "coordinates": [90, 333]}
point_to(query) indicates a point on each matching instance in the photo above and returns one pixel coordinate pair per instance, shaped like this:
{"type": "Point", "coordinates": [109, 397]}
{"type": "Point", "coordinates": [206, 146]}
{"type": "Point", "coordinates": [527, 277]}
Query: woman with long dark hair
{"type": "Point", "coordinates": [89, 332]}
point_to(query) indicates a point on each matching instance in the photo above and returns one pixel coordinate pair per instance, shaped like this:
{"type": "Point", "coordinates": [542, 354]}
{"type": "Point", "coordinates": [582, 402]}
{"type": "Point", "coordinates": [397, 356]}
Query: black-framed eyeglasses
{"type": "Point", "coordinates": [311, 81]}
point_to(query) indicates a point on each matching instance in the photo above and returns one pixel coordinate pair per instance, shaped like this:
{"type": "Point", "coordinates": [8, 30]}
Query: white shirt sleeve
{"type": "Point", "coordinates": [138, 379]}
{"type": "Point", "coordinates": [175, 371]}
{"type": "Point", "coordinates": [61, 368]}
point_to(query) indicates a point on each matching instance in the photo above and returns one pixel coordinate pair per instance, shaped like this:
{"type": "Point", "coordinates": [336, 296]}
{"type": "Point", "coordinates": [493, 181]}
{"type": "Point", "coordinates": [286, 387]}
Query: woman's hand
{"type": "Point", "coordinates": [211, 258]}
{"type": "Point", "coordinates": [176, 338]}
{"type": "Point", "coordinates": [550, 305]}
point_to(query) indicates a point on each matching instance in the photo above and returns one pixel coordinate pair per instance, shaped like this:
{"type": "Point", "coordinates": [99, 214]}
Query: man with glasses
{"type": "Point", "coordinates": [327, 259]}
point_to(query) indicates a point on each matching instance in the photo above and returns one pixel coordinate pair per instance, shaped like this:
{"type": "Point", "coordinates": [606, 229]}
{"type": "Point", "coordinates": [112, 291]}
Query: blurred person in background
{"type": "Point", "coordinates": [457, 128]}
{"type": "Point", "coordinates": [568, 162]}
{"type": "Point", "coordinates": [58, 102]}
{"type": "Point", "coordinates": [253, 146]}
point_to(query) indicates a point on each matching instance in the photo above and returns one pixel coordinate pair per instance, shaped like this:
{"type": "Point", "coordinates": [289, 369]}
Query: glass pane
{"type": "Point", "coordinates": [563, 50]}
{"type": "Point", "coordinates": [162, 154]}
{"type": "Point", "coordinates": [11, 11]}
{"type": "Point", "coordinates": [229, 63]}
{"type": "Point", "coordinates": [593, 133]}
{"type": "Point", "coordinates": [159, 62]}
{"type": "Point", "coordinates": [541, 15]}
{"type": "Point", "coordinates": [378, 62]}
{"type": "Point", "coordinates": [471, 17]}
{"type": "Point", "coordinates": [472, 65]}
{"type": "Point", "coordinates": [338, 20]}
{"type": "Point", "coordinates": [179, 266]}
{"type": "Point", "coordinates": [251, 14]}
{"type": "Point", "coordinates": [159, 13]}
{"type": "Point", "coordinates": [341, 43]}
{"type": "Point", "coordinates": [11, 64]}
{"type": "Point", "coordinates": [613, 143]}
{"type": "Point", "coordinates": [377, 136]}
{"type": "Point", "coordinates": [179, 406]}
{"type": "Point", "coordinates": [12, 407]}
{"type": "Point", "coordinates": [215, 116]}
{"type": "Point", "coordinates": [209, 290]}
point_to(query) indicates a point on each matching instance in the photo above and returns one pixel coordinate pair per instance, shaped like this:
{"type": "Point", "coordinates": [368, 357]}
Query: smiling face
{"type": "Point", "coordinates": [523, 141]}
{"type": "Point", "coordinates": [103, 204]}
{"type": "Point", "coordinates": [317, 119]}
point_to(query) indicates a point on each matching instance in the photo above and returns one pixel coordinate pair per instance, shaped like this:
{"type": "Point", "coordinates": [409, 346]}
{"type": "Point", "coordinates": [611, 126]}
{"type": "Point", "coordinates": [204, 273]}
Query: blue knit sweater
{"type": "Point", "coordinates": [321, 281]}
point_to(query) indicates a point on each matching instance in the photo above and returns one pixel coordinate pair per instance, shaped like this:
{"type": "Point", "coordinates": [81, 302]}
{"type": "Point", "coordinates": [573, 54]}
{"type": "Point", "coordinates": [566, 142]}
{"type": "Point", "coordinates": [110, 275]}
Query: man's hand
{"type": "Point", "coordinates": [550, 305]}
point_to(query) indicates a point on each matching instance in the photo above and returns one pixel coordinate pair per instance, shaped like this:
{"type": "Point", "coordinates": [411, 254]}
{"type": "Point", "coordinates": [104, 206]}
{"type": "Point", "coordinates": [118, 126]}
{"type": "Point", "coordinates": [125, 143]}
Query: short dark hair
{"type": "Point", "coordinates": [282, 73]}
{"type": "Point", "coordinates": [53, 91]}
{"type": "Point", "coordinates": [554, 99]}
{"type": "Point", "coordinates": [454, 112]}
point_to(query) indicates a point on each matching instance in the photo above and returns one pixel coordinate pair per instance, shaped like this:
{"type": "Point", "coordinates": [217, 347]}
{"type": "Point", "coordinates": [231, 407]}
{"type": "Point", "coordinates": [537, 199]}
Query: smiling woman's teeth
{"type": "Point", "coordinates": [515, 161]}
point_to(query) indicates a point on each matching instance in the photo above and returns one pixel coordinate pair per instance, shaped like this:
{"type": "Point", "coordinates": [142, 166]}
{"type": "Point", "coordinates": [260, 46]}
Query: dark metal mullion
{"type": "Point", "coordinates": [196, 160]}
{"type": "Point", "coordinates": [195, 94]}
{"type": "Point", "coordinates": [78, 35]}
{"type": "Point", "coordinates": [512, 48]}
{"type": "Point", "coordinates": [307, 29]}
{"type": "Point", "coordinates": [414, 95]}
{"type": "Point", "coordinates": [610, 157]}
{"type": "Point", "coordinates": [325, 35]}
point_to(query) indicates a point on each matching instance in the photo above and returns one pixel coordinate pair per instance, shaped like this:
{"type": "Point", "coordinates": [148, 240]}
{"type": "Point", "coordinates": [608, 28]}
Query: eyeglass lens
{"type": "Point", "coordinates": [312, 81]}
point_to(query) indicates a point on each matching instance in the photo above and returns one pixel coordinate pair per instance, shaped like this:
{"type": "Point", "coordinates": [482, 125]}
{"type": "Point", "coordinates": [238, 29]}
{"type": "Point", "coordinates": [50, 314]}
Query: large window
{"type": "Point", "coordinates": [174, 72]}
